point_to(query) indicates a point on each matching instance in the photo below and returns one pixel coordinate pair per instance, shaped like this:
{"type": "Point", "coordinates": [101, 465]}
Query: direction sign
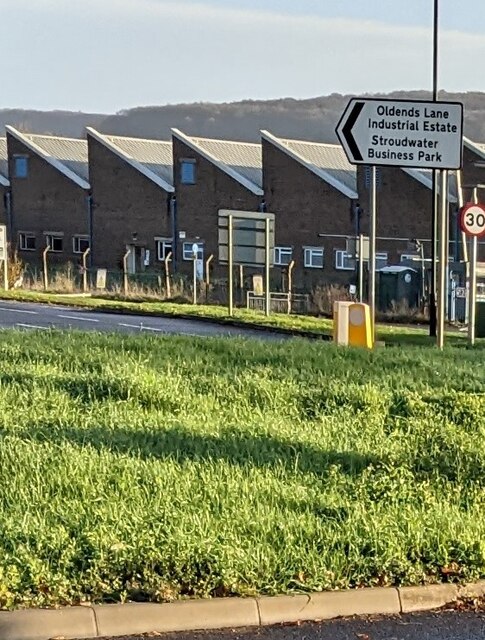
{"type": "Point", "coordinates": [411, 133]}
{"type": "Point", "coordinates": [472, 220]}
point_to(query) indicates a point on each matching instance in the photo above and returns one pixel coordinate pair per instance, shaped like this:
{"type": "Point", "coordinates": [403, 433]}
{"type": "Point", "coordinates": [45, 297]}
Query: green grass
{"type": "Point", "coordinates": [156, 468]}
{"type": "Point", "coordinates": [319, 327]}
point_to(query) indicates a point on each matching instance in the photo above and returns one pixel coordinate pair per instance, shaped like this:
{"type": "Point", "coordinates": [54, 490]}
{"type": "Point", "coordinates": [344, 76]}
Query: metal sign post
{"type": "Point", "coordinates": [267, 265]}
{"type": "Point", "coordinates": [472, 222]}
{"type": "Point", "coordinates": [230, 262]}
{"type": "Point", "coordinates": [372, 250]}
{"type": "Point", "coordinates": [4, 254]}
{"type": "Point", "coordinates": [443, 263]}
{"type": "Point", "coordinates": [361, 268]}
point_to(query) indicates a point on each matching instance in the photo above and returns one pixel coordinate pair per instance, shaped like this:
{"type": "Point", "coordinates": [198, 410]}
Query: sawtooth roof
{"type": "Point", "coordinates": [67, 155]}
{"type": "Point", "coordinates": [3, 163]}
{"type": "Point", "coordinates": [153, 158]}
{"type": "Point", "coordinates": [476, 147]}
{"type": "Point", "coordinates": [241, 160]}
{"type": "Point", "coordinates": [327, 161]}
{"type": "Point", "coordinates": [425, 177]}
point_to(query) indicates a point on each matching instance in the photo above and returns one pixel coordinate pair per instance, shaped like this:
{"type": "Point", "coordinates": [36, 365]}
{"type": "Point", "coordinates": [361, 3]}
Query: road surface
{"type": "Point", "coordinates": [30, 316]}
{"type": "Point", "coordinates": [447, 625]}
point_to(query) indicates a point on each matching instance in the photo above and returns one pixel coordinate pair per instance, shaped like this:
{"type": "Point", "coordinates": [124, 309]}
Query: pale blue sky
{"type": "Point", "coordinates": [106, 55]}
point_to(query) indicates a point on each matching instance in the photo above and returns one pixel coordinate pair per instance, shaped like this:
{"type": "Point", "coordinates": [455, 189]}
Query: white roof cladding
{"type": "Point", "coordinates": [68, 155]}
{"type": "Point", "coordinates": [476, 147]}
{"type": "Point", "coordinates": [327, 161]}
{"type": "Point", "coordinates": [152, 158]}
{"type": "Point", "coordinates": [4, 181]}
{"type": "Point", "coordinates": [240, 160]}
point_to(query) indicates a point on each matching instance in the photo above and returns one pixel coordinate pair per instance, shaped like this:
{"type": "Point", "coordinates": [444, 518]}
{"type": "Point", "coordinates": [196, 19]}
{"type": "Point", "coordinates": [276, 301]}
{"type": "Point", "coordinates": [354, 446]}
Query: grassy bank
{"type": "Point", "coordinates": [152, 469]}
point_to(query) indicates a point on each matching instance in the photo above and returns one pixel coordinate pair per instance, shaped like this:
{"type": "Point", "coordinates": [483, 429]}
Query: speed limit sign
{"type": "Point", "coordinates": [473, 219]}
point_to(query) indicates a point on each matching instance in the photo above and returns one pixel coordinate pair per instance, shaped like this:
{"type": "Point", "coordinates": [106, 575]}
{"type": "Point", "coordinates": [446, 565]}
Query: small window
{"type": "Point", "coordinates": [344, 261]}
{"type": "Point", "coordinates": [164, 247]}
{"type": "Point", "coordinates": [188, 254]}
{"type": "Point", "coordinates": [55, 242]}
{"type": "Point", "coordinates": [80, 244]}
{"type": "Point", "coordinates": [187, 172]}
{"type": "Point", "coordinates": [21, 166]}
{"type": "Point", "coordinates": [27, 241]}
{"type": "Point", "coordinates": [313, 257]}
{"type": "Point", "coordinates": [283, 255]}
{"type": "Point", "coordinates": [381, 260]}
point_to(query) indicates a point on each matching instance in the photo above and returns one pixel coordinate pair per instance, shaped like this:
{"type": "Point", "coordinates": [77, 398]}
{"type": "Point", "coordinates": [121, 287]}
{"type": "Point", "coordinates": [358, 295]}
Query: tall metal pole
{"type": "Point", "coordinates": [434, 215]}
{"type": "Point", "coordinates": [372, 249]}
{"type": "Point", "coordinates": [472, 283]}
{"type": "Point", "coordinates": [267, 265]}
{"type": "Point", "coordinates": [361, 268]}
{"type": "Point", "coordinates": [443, 270]}
{"type": "Point", "coordinates": [230, 260]}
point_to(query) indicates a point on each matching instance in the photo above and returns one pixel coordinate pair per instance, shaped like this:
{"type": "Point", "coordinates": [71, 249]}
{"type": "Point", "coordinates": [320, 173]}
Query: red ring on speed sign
{"type": "Point", "coordinates": [472, 219]}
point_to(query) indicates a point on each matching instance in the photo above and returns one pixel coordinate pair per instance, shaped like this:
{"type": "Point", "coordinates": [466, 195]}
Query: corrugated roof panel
{"type": "Point", "coordinates": [243, 157]}
{"type": "Point", "coordinates": [330, 158]}
{"type": "Point", "coordinates": [3, 157]}
{"type": "Point", "coordinates": [71, 152]}
{"type": "Point", "coordinates": [155, 155]}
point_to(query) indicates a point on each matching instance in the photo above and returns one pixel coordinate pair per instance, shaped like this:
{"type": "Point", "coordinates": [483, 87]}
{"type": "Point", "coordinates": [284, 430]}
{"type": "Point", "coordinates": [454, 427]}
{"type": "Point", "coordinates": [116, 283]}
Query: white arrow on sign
{"type": "Point", "coordinates": [410, 133]}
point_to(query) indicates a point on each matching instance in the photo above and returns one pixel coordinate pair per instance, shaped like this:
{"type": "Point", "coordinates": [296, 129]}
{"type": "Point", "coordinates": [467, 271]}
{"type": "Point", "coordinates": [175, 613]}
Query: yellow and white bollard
{"type": "Point", "coordinates": [352, 325]}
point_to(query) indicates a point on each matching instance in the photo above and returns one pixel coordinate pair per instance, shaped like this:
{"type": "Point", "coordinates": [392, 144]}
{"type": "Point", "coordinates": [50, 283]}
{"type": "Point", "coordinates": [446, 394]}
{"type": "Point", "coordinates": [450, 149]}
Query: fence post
{"type": "Point", "coordinates": [168, 289]}
{"type": "Point", "coordinates": [44, 262]}
{"type": "Point", "coordinates": [125, 271]}
{"type": "Point", "coordinates": [207, 277]}
{"type": "Point", "coordinates": [194, 278]}
{"type": "Point", "coordinates": [85, 270]}
{"type": "Point", "coordinates": [291, 266]}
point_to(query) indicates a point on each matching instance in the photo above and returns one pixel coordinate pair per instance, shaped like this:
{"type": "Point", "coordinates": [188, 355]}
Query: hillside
{"type": "Point", "coordinates": [312, 119]}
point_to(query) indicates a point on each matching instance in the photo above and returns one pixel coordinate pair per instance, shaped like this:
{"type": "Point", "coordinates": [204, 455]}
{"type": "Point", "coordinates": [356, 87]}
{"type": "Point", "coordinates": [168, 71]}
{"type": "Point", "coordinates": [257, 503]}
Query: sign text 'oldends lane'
{"type": "Point", "coordinates": [402, 133]}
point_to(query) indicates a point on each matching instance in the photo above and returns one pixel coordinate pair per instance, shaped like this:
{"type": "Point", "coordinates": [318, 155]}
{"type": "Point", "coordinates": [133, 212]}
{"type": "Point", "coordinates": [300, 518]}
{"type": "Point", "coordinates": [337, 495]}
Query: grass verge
{"type": "Point", "coordinates": [156, 468]}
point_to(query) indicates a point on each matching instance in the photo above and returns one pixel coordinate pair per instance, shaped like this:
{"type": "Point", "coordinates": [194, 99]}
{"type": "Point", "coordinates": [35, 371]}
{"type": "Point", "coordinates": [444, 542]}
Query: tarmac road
{"type": "Point", "coordinates": [30, 316]}
{"type": "Point", "coordinates": [444, 625]}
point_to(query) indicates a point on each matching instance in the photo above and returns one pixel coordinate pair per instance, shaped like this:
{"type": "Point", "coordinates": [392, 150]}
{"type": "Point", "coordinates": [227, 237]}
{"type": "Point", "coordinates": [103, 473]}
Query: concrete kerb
{"type": "Point", "coordinates": [223, 613]}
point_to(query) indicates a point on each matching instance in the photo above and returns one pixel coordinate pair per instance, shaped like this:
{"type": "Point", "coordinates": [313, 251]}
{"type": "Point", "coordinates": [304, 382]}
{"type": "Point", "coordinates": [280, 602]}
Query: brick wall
{"type": "Point", "coordinates": [126, 205]}
{"type": "Point", "coordinates": [198, 204]}
{"type": "Point", "coordinates": [305, 206]}
{"type": "Point", "coordinates": [45, 200]}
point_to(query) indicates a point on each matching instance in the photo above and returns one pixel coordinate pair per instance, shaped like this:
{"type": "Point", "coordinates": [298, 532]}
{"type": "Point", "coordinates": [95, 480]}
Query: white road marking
{"type": "Point", "coordinates": [31, 326]}
{"type": "Point", "coordinates": [132, 326]}
{"type": "Point", "coordinates": [34, 313]}
{"type": "Point", "coordinates": [77, 318]}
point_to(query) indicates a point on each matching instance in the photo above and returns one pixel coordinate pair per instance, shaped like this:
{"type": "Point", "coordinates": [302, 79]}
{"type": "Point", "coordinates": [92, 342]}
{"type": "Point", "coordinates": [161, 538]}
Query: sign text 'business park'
{"type": "Point", "coordinates": [409, 133]}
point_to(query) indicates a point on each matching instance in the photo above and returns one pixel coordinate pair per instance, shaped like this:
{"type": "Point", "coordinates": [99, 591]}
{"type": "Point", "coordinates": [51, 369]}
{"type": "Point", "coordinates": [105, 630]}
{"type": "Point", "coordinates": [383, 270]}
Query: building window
{"type": "Point", "coordinates": [282, 255]}
{"type": "Point", "coordinates": [188, 254]}
{"type": "Point", "coordinates": [313, 257]}
{"type": "Point", "coordinates": [344, 261]}
{"type": "Point", "coordinates": [413, 257]}
{"type": "Point", "coordinates": [27, 241]}
{"type": "Point", "coordinates": [381, 260]}
{"type": "Point", "coordinates": [21, 166]}
{"type": "Point", "coordinates": [80, 244]}
{"type": "Point", "coordinates": [54, 242]}
{"type": "Point", "coordinates": [187, 172]}
{"type": "Point", "coordinates": [164, 247]}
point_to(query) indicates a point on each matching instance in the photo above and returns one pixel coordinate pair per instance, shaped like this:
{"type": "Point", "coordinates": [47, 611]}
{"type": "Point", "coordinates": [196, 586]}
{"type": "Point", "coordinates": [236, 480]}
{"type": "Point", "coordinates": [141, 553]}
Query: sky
{"type": "Point", "coordinates": [108, 55]}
